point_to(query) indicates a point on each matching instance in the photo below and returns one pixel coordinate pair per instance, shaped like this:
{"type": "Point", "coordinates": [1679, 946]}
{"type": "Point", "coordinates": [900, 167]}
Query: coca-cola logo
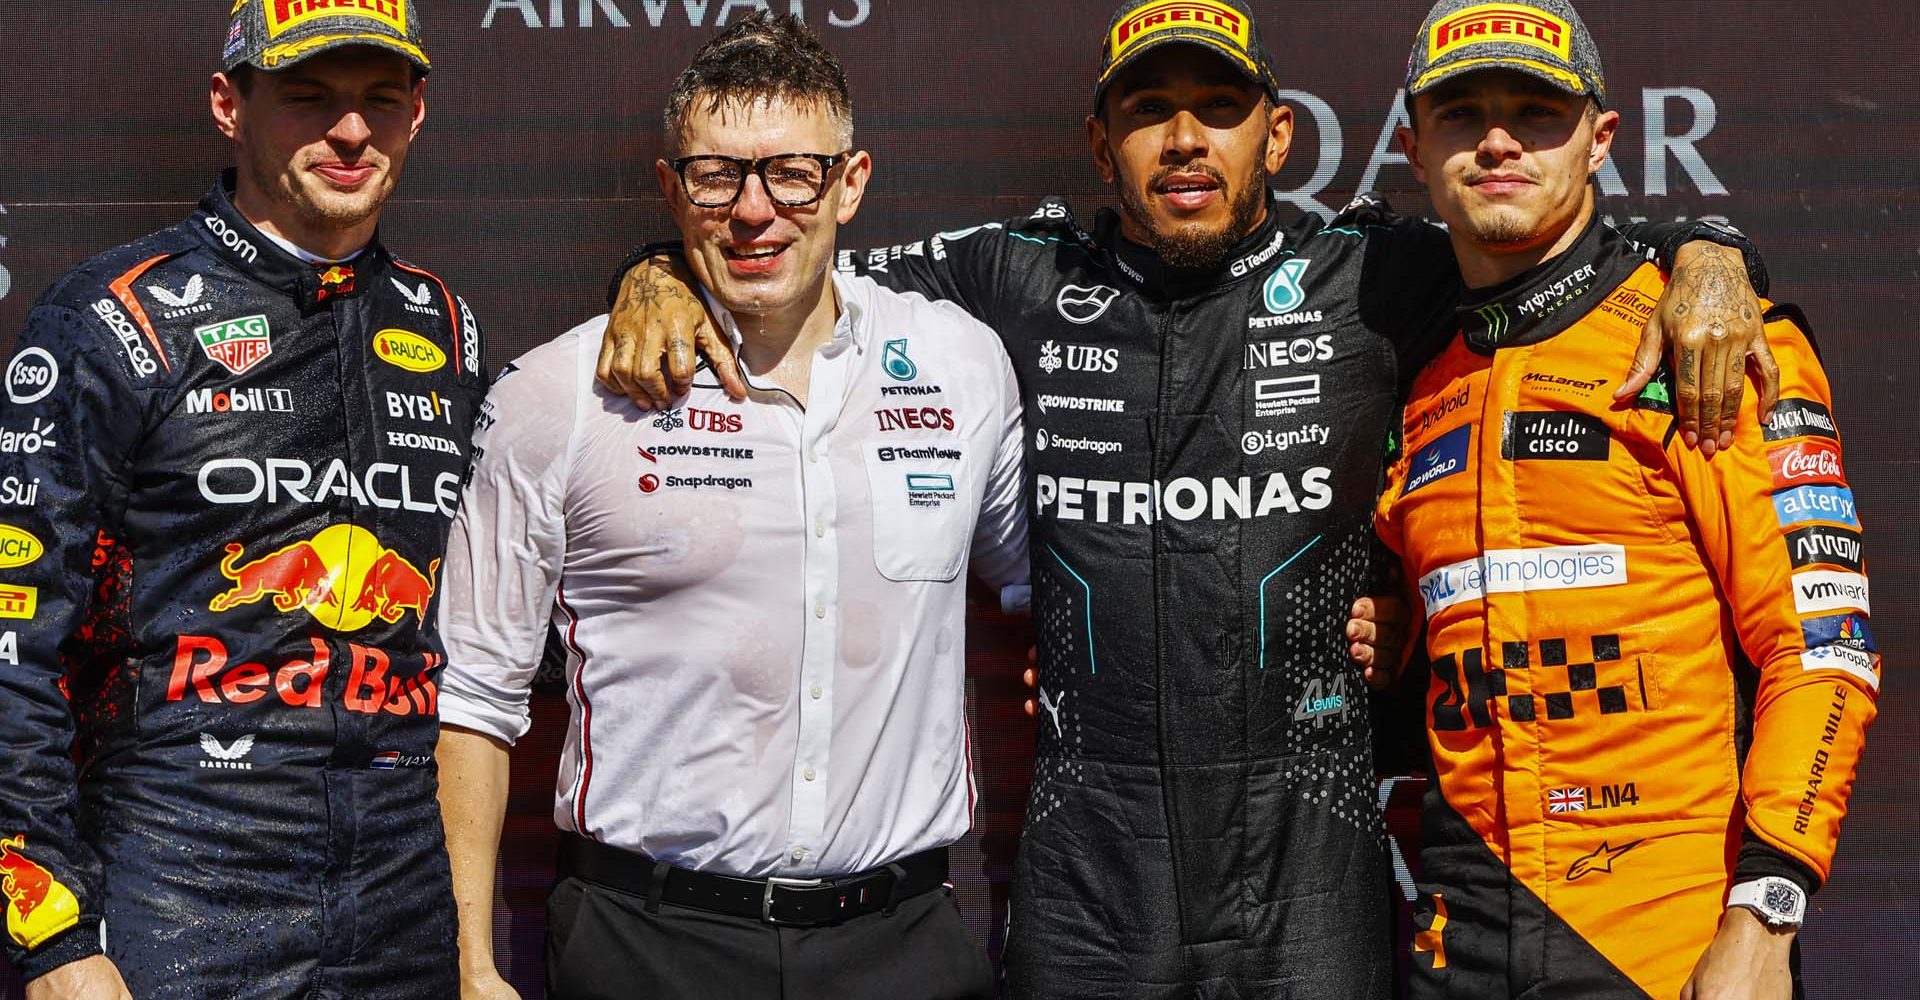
{"type": "Point", "coordinates": [1815, 460]}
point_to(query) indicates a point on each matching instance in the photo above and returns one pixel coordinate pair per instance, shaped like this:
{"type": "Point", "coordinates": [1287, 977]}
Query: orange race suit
{"type": "Point", "coordinates": [1653, 671]}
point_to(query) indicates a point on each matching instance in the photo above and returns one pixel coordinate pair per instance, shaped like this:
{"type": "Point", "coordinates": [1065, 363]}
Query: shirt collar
{"type": "Point", "coordinates": [850, 328]}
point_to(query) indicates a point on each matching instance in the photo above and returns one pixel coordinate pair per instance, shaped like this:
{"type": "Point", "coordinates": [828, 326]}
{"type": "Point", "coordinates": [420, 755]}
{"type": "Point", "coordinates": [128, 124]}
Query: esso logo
{"type": "Point", "coordinates": [31, 376]}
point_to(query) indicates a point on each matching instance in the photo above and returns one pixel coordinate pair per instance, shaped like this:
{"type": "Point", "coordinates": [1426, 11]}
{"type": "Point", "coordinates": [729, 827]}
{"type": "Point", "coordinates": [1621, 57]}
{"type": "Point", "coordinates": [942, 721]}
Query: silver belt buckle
{"type": "Point", "coordinates": [766, 899]}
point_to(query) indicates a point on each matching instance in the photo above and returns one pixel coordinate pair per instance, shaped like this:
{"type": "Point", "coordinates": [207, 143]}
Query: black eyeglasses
{"type": "Point", "coordinates": [793, 180]}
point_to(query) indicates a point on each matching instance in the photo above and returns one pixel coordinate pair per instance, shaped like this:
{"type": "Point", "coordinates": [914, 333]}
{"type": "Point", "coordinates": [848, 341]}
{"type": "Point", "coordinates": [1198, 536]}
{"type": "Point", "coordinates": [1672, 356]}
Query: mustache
{"type": "Point", "coordinates": [1476, 176]}
{"type": "Point", "coordinates": [1153, 183]}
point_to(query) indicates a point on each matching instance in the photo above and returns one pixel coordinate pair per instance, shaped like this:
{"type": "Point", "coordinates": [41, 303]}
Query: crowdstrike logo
{"type": "Point", "coordinates": [1514, 571]}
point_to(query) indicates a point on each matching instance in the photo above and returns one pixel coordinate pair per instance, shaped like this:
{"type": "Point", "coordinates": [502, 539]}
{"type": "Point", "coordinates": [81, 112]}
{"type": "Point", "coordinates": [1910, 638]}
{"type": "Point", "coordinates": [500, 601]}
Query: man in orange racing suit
{"type": "Point", "coordinates": [1653, 670]}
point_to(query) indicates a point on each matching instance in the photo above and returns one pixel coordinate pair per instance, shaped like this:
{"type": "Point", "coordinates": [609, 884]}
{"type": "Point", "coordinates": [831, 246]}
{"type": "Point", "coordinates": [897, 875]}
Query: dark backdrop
{"type": "Point", "coordinates": [1797, 121]}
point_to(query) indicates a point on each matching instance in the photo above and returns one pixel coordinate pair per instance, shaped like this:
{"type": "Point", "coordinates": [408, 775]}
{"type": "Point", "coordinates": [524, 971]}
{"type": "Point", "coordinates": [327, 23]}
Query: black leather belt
{"type": "Point", "coordinates": [788, 902]}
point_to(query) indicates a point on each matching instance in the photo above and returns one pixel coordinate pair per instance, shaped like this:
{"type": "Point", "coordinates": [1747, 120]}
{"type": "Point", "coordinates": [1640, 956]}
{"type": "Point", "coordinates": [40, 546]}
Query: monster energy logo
{"type": "Point", "coordinates": [1494, 318]}
{"type": "Point", "coordinates": [899, 367]}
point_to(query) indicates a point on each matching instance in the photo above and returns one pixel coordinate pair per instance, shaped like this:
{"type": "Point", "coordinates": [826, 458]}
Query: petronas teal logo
{"type": "Point", "coordinates": [894, 359]}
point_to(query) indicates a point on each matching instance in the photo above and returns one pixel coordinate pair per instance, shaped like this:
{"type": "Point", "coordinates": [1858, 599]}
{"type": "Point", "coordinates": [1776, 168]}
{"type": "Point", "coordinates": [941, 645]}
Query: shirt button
{"type": "Point", "coordinates": [813, 456]}
{"type": "Point", "coordinates": [815, 692]}
{"type": "Point", "coordinates": [799, 854]}
{"type": "Point", "coordinates": [820, 611]}
{"type": "Point", "coordinates": [819, 529]}
{"type": "Point", "coordinates": [807, 774]}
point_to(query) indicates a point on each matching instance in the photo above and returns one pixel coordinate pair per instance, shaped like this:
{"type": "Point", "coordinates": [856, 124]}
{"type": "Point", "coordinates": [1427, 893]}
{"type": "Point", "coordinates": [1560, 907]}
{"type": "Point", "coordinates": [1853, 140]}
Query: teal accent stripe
{"type": "Point", "coordinates": [1092, 664]}
{"type": "Point", "coordinates": [1263, 594]}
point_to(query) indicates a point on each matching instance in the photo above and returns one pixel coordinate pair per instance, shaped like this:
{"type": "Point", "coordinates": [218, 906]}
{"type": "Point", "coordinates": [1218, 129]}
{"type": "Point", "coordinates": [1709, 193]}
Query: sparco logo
{"type": "Point", "coordinates": [1084, 305]}
{"type": "Point", "coordinates": [230, 239]}
{"type": "Point", "coordinates": [1105, 501]}
{"type": "Point", "coordinates": [122, 327]}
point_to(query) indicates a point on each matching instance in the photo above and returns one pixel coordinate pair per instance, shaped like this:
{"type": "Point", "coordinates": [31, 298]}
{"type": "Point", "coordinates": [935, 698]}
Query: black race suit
{"type": "Point", "coordinates": [1206, 448]}
{"type": "Point", "coordinates": [226, 479]}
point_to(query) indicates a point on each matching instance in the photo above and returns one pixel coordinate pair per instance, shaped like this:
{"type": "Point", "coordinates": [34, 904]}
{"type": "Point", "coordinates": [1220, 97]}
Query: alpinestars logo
{"type": "Point", "coordinates": [229, 757]}
{"type": "Point", "coordinates": [184, 303]}
{"type": "Point", "coordinates": [419, 299]}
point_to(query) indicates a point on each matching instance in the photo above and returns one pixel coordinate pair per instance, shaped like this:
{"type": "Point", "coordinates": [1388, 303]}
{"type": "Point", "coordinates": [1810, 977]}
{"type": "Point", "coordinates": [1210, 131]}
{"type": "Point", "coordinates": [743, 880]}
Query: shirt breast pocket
{"type": "Point", "coordinates": [923, 509]}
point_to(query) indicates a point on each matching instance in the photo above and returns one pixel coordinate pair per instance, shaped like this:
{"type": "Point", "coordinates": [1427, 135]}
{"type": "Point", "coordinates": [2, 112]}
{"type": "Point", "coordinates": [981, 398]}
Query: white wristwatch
{"type": "Point", "coordinates": [1777, 901]}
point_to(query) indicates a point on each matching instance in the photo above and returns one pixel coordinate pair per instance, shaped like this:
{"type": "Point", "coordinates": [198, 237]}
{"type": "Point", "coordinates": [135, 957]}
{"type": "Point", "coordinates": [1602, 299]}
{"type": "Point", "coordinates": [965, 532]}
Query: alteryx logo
{"type": "Point", "coordinates": [1446, 456]}
{"type": "Point", "coordinates": [1832, 504]}
{"type": "Point", "coordinates": [1283, 292]}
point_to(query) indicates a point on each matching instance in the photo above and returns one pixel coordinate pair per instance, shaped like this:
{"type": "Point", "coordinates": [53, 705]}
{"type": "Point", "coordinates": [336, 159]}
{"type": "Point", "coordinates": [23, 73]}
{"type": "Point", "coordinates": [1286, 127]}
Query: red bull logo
{"type": "Point", "coordinates": [342, 576]}
{"type": "Point", "coordinates": [38, 906]}
{"type": "Point", "coordinates": [203, 669]}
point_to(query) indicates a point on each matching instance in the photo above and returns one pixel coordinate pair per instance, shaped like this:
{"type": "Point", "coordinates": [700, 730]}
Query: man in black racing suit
{"type": "Point", "coordinates": [1206, 444]}
{"type": "Point", "coordinates": [226, 479]}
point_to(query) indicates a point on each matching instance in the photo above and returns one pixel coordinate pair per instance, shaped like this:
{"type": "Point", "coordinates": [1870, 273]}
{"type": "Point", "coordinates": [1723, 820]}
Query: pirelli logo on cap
{"type": "Point", "coordinates": [285, 14]}
{"type": "Point", "coordinates": [1501, 22]}
{"type": "Point", "coordinates": [1233, 28]}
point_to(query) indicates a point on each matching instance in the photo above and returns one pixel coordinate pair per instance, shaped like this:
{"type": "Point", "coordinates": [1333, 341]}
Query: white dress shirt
{"type": "Point", "coordinates": [763, 603]}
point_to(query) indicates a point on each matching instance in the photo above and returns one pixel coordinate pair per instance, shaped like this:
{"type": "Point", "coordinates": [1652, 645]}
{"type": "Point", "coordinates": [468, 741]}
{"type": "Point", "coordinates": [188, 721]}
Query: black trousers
{"type": "Point", "coordinates": [602, 944]}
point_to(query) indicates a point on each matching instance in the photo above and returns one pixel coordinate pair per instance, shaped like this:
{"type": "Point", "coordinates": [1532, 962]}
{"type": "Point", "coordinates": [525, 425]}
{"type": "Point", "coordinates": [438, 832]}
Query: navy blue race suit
{"type": "Point", "coordinates": [1205, 450]}
{"type": "Point", "coordinates": [226, 479]}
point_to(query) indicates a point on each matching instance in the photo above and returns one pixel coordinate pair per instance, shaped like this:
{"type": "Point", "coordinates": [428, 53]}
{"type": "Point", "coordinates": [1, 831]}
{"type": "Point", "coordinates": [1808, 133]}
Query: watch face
{"type": "Point", "coordinates": [1781, 898]}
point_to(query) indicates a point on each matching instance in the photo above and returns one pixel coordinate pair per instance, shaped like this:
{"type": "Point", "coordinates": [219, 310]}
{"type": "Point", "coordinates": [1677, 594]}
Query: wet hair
{"type": "Point", "coordinates": [762, 57]}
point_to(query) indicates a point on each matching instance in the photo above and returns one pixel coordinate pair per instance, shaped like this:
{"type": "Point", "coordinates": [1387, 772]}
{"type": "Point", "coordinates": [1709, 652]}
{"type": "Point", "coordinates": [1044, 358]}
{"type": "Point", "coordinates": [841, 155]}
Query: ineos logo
{"type": "Point", "coordinates": [230, 239]}
{"type": "Point", "coordinates": [31, 376]}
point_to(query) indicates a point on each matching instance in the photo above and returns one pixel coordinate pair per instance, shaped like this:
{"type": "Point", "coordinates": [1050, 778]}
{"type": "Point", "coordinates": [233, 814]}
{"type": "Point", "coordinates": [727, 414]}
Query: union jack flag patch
{"type": "Point", "coordinates": [1566, 800]}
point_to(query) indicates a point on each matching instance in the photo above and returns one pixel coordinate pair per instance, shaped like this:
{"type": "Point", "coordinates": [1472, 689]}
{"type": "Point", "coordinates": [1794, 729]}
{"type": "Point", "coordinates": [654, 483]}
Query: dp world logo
{"type": "Point", "coordinates": [1283, 292]}
{"type": "Point", "coordinates": [894, 359]}
{"type": "Point", "coordinates": [1084, 305]}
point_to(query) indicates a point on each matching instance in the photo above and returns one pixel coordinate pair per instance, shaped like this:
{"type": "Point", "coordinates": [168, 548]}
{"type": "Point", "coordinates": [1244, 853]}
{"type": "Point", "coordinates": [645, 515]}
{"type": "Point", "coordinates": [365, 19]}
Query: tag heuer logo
{"type": "Point", "coordinates": [237, 344]}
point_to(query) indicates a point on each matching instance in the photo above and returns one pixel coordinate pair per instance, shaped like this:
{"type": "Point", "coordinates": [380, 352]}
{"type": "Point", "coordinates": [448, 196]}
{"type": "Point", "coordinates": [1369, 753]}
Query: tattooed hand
{"type": "Point", "coordinates": [659, 317]}
{"type": "Point", "coordinates": [1711, 319]}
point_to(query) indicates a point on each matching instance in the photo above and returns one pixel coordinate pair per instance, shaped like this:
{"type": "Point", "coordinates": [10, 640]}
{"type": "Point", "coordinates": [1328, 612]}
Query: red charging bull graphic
{"type": "Point", "coordinates": [294, 577]}
{"type": "Point", "coordinates": [342, 576]}
{"type": "Point", "coordinates": [38, 906]}
{"type": "Point", "coordinates": [393, 587]}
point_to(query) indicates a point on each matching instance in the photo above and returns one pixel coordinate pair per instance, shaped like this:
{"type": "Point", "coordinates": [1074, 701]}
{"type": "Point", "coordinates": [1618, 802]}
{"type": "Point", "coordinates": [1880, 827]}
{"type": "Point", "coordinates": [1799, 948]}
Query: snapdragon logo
{"type": "Point", "coordinates": [1514, 571]}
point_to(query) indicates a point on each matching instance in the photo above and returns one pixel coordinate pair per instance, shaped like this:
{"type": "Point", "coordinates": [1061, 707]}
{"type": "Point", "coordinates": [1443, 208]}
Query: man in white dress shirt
{"type": "Point", "coordinates": [763, 602]}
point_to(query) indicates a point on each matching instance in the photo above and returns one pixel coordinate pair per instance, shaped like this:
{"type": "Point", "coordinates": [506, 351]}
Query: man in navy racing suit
{"type": "Point", "coordinates": [1208, 387]}
{"type": "Point", "coordinates": [229, 455]}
